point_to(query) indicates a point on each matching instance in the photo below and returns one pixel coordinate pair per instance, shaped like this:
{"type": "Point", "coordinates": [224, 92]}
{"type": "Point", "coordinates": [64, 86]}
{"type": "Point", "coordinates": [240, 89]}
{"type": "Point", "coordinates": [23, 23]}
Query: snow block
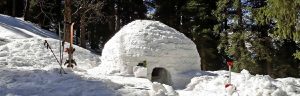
{"type": "Point", "coordinates": [140, 72]}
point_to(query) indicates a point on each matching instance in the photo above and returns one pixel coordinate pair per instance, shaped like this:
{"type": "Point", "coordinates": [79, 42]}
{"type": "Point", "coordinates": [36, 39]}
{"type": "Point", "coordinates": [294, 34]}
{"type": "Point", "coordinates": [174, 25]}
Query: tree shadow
{"type": "Point", "coordinates": [51, 83]}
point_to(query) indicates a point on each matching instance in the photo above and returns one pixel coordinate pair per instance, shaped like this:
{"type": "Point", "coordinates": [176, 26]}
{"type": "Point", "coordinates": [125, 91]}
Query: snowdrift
{"type": "Point", "coordinates": [28, 68]}
{"type": "Point", "coordinates": [23, 28]}
{"type": "Point", "coordinates": [246, 84]}
{"type": "Point", "coordinates": [32, 53]}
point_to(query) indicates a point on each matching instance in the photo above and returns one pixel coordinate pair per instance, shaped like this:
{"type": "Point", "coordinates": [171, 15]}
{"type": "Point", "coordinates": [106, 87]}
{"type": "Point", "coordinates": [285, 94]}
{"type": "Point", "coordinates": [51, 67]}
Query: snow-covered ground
{"type": "Point", "coordinates": [27, 68]}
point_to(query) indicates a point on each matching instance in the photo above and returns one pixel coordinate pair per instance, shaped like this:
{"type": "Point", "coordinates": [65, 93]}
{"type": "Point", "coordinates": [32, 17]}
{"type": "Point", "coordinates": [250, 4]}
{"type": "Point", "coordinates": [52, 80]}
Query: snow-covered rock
{"type": "Point", "coordinates": [162, 47]}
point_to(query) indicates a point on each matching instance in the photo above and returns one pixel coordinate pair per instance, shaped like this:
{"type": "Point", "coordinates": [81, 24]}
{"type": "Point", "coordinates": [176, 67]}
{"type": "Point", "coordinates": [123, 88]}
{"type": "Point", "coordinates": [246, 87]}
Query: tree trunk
{"type": "Point", "coordinates": [82, 31]}
{"type": "Point", "coordinates": [117, 19]}
{"type": "Point", "coordinates": [26, 11]}
{"type": "Point", "coordinates": [269, 69]}
{"type": "Point", "coordinates": [203, 61]}
{"type": "Point", "coordinates": [240, 14]}
{"type": "Point", "coordinates": [58, 12]}
{"type": "Point", "coordinates": [14, 8]}
{"type": "Point", "coordinates": [67, 20]}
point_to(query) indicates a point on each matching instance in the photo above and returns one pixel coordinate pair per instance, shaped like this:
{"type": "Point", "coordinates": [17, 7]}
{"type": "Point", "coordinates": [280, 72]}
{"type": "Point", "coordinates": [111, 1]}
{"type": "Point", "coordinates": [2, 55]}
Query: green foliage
{"type": "Point", "coordinates": [297, 55]}
{"type": "Point", "coordinates": [285, 13]}
{"type": "Point", "coordinates": [197, 22]}
{"type": "Point", "coordinates": [235, 38]}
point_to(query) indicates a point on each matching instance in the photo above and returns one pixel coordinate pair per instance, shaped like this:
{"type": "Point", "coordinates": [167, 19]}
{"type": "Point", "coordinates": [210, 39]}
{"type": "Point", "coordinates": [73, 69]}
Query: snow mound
{"type": "Point", "coordinates": [155, 42]}
{"type": "Point", "coordinates": [246, 84]}
{"type": "Point", "coordinates": [32, 53]}
{"type": "Point", "coordinates": [159, 45]}
{"type": "Point", "coordinates": [22, 28]}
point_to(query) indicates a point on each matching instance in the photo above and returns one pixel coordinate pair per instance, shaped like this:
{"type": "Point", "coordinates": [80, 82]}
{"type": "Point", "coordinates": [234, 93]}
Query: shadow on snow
{"type": "Point", "coordinates": [50, 83]}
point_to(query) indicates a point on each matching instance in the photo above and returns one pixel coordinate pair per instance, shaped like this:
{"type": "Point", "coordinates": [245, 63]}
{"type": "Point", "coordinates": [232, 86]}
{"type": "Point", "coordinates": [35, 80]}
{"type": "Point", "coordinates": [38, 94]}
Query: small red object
{"type": "Point", "coordinates": [227, 85]}
{"type": "Point", "coordinates": [229, 63]}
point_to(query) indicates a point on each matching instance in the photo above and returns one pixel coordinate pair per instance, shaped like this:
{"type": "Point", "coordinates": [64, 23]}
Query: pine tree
{"type": "Point", "coordinates": [129, 10]}
{"type": "Point", "coordinates": [168, 12]}
{"type": "Point", "coordinates": [26, 10]}
{"type": "Point", "coordinates": [3, 7]}
{"type": "Point", "coordinates": [262, 43]}
{"type": "Point", "coordinates": [236, 37]}
{"type": "Point", "coordinates": [87, 12]}
{"type": "Point", "coordinates": [283, 17]}
{"type": "Point", "coordinates": [197, 21]}
{"type": "Point", "coordinates": [46, 13]}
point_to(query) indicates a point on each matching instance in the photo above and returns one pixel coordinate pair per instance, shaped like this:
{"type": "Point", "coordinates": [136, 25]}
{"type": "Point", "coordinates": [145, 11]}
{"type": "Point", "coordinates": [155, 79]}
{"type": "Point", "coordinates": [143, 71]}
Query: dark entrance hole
{"type": "Point", "coordinates": [161, 75]}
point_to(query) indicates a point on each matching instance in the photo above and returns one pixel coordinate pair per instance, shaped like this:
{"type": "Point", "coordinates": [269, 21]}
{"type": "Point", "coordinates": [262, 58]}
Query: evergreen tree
{"type": "Point", "coordinates": [96, 18]}
{"type": "Point", "coordinates": [3, 6]}
{"type": "Point", "coordinates": [46, 13]}
{"type": "Point", "coordinates": [26, 14]}
{"type": "Point", "coordinates": [262, 43]}
{"type": "Point", "coordinates": [87, 12]}
{"type": "Point", "coordinates": [168, 12]}
{"type": "Point", "coordinates": [236, 37]}
{"type": "Point", "coordinates": [283, 17]}
{"type": "Point", "coordinates": [249, 33]}
{"type": "Point", "coordinates": [129, 10]}
{"type": "Point", "coordinates": [197, 22]}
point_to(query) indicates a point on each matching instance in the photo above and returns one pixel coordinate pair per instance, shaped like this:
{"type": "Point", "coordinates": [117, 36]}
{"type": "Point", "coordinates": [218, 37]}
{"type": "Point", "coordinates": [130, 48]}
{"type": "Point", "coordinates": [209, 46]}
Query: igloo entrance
{"type": "Point", "coordinates": [161, 75]}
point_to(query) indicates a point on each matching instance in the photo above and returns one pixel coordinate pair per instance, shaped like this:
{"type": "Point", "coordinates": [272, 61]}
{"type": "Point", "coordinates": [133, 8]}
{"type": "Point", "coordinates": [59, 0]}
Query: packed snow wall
{"type": "Point", "coordinates": [153, 42]}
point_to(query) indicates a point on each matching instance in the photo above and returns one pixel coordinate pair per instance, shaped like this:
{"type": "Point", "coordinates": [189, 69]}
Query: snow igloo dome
{"type": "Point", "coordinates": [165, 52]}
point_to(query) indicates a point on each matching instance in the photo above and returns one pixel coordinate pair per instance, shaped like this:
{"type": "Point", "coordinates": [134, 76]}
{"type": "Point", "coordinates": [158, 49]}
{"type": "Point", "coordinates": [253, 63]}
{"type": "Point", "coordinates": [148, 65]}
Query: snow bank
{"type": "Point", "coordinates": [27, 68]}
{"type": "Point", "coordinates": [23, 28]}
{"type": "Point", "coordinates": [246, 84]}
{"type": "Point", "coordinates": [32, 53]}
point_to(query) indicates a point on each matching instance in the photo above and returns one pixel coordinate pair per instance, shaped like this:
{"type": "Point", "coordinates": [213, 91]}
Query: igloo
{"type": "Point", "coordinates": [167, 52]}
